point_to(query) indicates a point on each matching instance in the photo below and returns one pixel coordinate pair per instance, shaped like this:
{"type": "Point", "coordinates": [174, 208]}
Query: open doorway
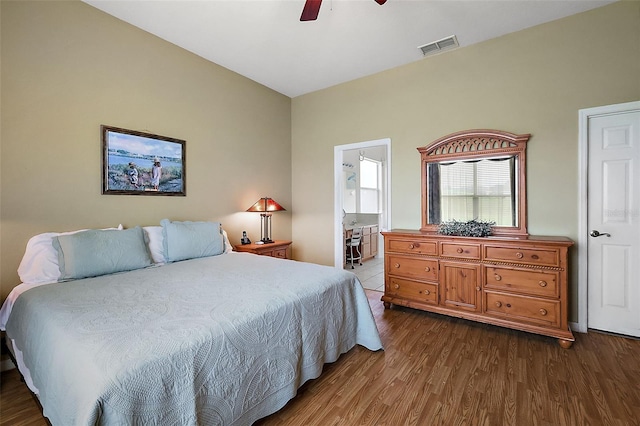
{"type": "Point", "coordinates": [360, 200]}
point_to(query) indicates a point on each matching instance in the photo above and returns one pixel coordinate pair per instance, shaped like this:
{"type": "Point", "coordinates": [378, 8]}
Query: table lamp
{"type": "Point", "coordinates": [265, 206]}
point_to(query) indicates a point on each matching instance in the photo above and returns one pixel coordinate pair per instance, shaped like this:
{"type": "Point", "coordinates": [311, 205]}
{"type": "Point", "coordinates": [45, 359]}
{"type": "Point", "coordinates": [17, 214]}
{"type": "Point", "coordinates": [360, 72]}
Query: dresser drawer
{"type": "Point", "coordinates": [280, 253]}
{"type": "Point", "coordinates": [540, 283]}
{"type": "Point", "coordinates": [532, 256]}
{"type": "Point", "coordinates": [522, 308]}
{"type": "Point", "coordinates": [411, 267]}
{"type": "Point", "coordinates": [410, 246]}
{"type": "Point", "coordinates": [421, 292]}
{"type": "Point", "coordinates": [460, 250]}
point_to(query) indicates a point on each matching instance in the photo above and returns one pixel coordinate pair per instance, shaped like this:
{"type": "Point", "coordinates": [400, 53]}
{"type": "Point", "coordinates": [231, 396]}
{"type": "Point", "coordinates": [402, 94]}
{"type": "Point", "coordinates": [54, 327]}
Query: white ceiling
{"type": "Point", "coordinates": [265, 41]}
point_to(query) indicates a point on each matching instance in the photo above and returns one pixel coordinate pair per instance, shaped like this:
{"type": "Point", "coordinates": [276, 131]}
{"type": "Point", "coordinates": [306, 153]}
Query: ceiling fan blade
{"type": "Point", "coordinates": [311, 9]}
{"type": "Point", "coordinates": [381, 2]}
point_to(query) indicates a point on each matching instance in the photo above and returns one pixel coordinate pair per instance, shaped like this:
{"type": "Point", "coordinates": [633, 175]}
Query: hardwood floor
{"type": "Point", "coordinates": [17, 406]}
{"type": "Point", "coordinates": [438, 370]}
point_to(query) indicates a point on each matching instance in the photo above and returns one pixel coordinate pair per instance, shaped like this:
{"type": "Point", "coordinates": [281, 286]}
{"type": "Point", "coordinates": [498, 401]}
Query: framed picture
{"type": "Point", "coordinates": [137, 163]}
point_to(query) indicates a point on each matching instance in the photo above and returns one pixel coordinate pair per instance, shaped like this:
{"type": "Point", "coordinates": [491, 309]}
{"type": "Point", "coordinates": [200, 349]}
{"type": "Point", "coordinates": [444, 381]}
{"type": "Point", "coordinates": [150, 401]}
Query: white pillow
{"type": "Point", "coordinates": [156, 244]}
{"type": "Point", "coordinates": [228, 248]}
{"type": "Point", "coordinates": [154, 241]}
{"type": "Point", "coordinates": [40, 261]}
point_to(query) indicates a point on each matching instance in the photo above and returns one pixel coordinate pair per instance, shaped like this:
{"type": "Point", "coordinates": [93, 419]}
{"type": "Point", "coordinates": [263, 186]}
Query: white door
{"type": "Point", "coordinates": [614, 223]}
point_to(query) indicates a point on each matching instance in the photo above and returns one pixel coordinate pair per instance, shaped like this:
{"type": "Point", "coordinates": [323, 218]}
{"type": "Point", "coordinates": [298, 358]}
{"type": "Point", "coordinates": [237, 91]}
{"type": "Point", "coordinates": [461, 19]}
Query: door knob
{"type": "Point", "coordinates": [595, 233]}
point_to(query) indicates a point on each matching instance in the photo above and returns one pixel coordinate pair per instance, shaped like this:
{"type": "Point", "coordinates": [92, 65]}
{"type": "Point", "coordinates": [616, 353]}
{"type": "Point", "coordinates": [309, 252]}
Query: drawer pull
{"type": "Point", "coordinates": [397, 265]}
{"type": "Point", "coordinates": [535, 257]}
{"type": "Point", "coordinates": [396, 286]}
{"type": "Point", "coordinates": [543, 312]}
{"type": "Point", "coordinates": [498, 304]}
{"type": "Point", "coordinates": [427, 269]}
{"type": "Point", "coordinates": [426, 292]}
{"type": "Point", "coordinates": [478, 288]}
{"type": "Point", "coordinates": [497, 277]}
{"type": "Point", "coordinates": [542, 283]}
{"type": "Point", "coordinates": [519, 255]}
{"type": "Point", "coordinates": [411, 246]}
{"type": "Point", "coordinates": [459, 250]}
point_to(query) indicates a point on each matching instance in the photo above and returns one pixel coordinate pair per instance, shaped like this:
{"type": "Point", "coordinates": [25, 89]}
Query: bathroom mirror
{"type": "Point", "coordinates": [476, 174]}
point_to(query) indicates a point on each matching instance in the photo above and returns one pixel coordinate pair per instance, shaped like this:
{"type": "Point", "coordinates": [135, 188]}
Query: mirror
{"type": "Point", "coordinates": [483, 189]}
{"type": "Point", "coordinates": [475, 174]}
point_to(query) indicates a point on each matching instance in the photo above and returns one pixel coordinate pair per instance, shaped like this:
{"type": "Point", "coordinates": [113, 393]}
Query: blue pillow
{"type": "Point", "coordinates": [100, 252]}
{"type": "Point", "coordinates": [190, 240]}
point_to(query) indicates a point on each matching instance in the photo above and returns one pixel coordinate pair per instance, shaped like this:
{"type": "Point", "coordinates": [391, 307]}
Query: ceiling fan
{"type": "Point", "coordinates": [312, 7]}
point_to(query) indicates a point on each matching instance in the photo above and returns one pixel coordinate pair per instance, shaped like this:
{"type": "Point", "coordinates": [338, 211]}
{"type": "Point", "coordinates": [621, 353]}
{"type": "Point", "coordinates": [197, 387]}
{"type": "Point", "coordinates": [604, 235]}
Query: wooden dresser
{"type": "Point", "coordinates": [278, 248]}
{"type": "Point", "coordinates": [514, 282]}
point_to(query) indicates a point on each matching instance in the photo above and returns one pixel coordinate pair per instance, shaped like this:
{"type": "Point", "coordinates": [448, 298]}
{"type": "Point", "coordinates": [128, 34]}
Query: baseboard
{"type": "Point", "coordinates": [577, 327]}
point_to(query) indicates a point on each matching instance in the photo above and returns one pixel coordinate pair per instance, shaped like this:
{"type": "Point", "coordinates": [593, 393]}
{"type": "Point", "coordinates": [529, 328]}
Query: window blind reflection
{"type": "Point", "coordinates": [481, 190]}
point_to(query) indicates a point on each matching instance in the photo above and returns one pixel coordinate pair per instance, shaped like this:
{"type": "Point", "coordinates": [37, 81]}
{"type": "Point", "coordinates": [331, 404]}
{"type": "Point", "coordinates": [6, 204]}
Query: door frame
{"type": "Point", "coordinates": [338, 238]}
{"type": "Point", "coordinates": [584, 115]}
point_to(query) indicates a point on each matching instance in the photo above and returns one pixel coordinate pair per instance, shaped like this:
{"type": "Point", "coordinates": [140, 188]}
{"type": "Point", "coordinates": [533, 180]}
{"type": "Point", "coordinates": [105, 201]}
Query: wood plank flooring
{"type": "Point", "coordinates": [437, 370]}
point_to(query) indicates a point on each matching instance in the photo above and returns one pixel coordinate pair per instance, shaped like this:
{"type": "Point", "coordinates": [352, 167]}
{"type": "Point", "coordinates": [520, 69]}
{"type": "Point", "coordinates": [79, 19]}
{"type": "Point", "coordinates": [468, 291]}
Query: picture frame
{"type": "Point", "coordinates": [139, 163]}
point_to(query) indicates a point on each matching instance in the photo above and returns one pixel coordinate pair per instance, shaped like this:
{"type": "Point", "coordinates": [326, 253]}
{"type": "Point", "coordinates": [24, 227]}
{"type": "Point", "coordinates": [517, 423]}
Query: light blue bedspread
{"type": "Point", "coordinates": [223, 340]}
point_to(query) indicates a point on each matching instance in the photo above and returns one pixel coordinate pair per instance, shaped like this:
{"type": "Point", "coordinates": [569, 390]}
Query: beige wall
{"type": "Point", "coordinates": [66, 69]}
{"type": "Point", "coordinates": [533, 81]}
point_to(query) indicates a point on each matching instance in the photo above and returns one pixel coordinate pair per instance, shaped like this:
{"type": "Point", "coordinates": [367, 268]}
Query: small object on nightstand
{"type": "Point", "coordinates": [245, 239]}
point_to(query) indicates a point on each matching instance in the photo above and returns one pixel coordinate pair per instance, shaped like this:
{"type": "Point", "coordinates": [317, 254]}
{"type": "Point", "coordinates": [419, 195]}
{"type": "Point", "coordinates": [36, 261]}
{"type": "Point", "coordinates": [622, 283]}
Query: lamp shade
{"type": "Point", "coordinates": [264, 205]}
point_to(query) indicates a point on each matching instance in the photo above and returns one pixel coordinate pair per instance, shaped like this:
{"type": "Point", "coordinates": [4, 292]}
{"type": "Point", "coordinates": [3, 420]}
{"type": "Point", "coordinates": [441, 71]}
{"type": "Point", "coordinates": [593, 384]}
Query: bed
{"type": "Point", "coordinates": [187, 336]}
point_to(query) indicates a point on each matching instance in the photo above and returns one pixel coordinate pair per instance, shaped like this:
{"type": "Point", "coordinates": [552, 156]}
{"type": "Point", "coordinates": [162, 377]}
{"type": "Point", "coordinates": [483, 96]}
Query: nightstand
{"type": "Point", "coordinates": [278, 248]}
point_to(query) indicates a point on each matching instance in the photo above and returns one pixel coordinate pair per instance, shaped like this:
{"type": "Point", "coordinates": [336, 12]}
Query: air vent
{"type": "Point", "coordinates": [440, 45]}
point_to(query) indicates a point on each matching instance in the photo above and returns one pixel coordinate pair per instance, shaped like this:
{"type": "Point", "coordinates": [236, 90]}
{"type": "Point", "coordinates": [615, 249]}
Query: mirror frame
{"type": "Point", "coordinates": [478, 144]}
